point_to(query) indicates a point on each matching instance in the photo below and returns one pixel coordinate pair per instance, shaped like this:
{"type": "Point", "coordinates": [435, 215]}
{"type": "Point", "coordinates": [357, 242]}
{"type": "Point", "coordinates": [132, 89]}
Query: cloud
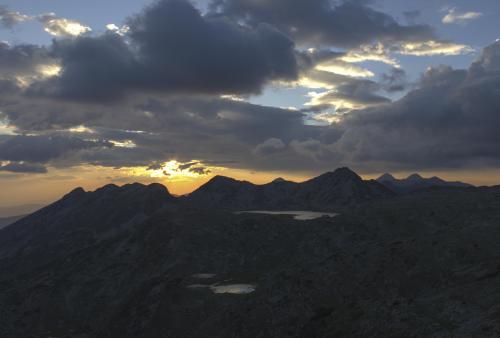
{"type": "Point", "coordinates": [8, 19]}
{"type": "Point", "coordinates": [41, 149]}
{"type": "Point", "coordinates": [118, 30]}
{"type": "Point", "coordinates": [22, 65]}
{"type": "Point", "coordinates": [412, 15]}
{"type": "Point", "coordinates": [394, 81]}
{"type": "Point", "coordinates": [324, 22]}
{"type": "Point", "coordinates": [23, 167]}
{"type": "Point", "coordinates": [356, 94]}
{"type": "Point", "coordinates": [431, 47]}
{"type": "Point", "coordinates": [200, 171]}
{"type": "Point", "coordinates": [269, 146]}
{"type": "Point", "coordinates": [171, 47]}
{"type": "Point", "coordinates": [51, 23]}
{"type": "Point", "coordinates": [182, 127]}
{"type": "Point", "coordinates": [376, 52]}
{"type": "Point", "coordinates": [453, 16]}
{"type": "Point", "coordinates": [339, 92]}
{"type": "Point", "coordinates": [449, 121]}
{"type": "Point", "coordinates": [62, 27]}
{"type": "Point", "coordinates": [174, 169]}
{"type": "Point", "coordinates": [166, 90]}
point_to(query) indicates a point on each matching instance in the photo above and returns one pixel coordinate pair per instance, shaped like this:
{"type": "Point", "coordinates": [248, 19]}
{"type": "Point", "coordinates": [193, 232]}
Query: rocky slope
{"type": "Point", "coordinates": [122, 262]}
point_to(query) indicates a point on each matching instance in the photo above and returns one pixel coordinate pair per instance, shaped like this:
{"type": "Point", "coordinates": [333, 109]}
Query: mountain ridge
{"type": "Point", "coordinates": [329, 190]}
{"type": "Point", "coordinates": [415, 182]}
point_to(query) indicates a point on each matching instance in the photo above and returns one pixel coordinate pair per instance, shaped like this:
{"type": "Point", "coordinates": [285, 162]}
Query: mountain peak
{"type": "Point", "coordinates": [345, 173]}
{"type": "Point", "coordinates": [76, 191]}
{"type": "Point", "coordinates": [386, 178]}
{"type": "Point", "coordinates": [74, 194]}
{"type": "Point", "coordinates": [278, 180]}
{"type": "Point", "coordinates": [344, 170]}
{"type": "Point", "coordinates": [415, 177]}
{"type": "Point", "coordinates": [217, 179]}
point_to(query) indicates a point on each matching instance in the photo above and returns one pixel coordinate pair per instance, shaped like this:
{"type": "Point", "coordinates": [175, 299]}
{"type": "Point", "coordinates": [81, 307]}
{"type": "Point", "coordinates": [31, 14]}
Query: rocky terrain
{"type": "Point", "coordinates": [133, 261]}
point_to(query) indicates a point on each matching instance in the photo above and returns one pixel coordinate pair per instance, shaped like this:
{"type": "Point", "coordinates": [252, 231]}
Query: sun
{"type": "Point", "coordinates": [175, 170]}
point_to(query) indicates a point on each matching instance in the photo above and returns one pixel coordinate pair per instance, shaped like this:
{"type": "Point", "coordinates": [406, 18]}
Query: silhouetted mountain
{"type": "Point", "coordinates": [416, 182]}
{"type": "Point", "coordinates": [88, 214]}
{"type": "Point", "coordinates": [133, 261]}
{"type": "Point", "coordinates": [338, 188]}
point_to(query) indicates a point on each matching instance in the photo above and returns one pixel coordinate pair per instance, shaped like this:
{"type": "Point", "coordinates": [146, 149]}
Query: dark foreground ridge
{"type": "Point", "coordinates": [129, 261]}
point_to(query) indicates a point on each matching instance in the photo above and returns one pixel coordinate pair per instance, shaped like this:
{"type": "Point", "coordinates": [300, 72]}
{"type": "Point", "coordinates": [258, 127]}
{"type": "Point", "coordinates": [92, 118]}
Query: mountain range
{"type": "Point", "coordinates": [327, 192]}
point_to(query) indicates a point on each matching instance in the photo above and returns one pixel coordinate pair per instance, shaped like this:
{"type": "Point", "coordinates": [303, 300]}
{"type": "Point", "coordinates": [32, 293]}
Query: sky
{"type": "Point", "coordinates": [174, 91]}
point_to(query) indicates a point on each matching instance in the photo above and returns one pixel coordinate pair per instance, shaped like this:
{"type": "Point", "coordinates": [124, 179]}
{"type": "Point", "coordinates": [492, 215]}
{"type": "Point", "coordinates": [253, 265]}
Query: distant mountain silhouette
{"type": "Point", "coordinates": [416, 182]}
{"type": "Point", "coordinates": [338, 188]}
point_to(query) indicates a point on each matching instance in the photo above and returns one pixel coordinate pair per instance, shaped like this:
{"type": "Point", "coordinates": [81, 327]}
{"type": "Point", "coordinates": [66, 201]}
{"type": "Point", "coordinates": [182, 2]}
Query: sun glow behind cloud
{"type": "Point", "coordinates": [174, 170]}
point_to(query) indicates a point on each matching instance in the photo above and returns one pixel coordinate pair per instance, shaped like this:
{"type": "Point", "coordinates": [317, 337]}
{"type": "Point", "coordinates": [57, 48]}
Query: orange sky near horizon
{"type": "Point", "coordinates": [44, 189]}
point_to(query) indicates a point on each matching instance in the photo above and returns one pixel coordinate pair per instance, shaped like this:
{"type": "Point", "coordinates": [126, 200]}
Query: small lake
{"type": "Point", "coordinates": [235, 289]}
{"type": "Point", "coordinates": [298, 215]}
{"type": "Point", "coordinates": [204, 275]}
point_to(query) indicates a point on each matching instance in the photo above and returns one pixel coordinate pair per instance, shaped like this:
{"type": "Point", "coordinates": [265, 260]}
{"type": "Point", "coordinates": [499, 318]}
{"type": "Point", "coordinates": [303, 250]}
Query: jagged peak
{"type": "Point", "coordinates": [75, 192]}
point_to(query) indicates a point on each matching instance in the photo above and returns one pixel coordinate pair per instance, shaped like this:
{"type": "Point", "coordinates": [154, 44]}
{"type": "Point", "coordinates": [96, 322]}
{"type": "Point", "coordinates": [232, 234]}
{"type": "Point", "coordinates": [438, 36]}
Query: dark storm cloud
{"type": "Point", "coordinates": [23, 167]}
{"type": "Point", "coordinates": [21, 60]}
{"type": "Point", "coordinates": [99, 68]}
{"type": "Point", "coordinates": [323, 22]}
{"type": "Point", "coordinates": [41, 149]}
{"type": "Point", "coordinates": [171, 47]}
{"type": "Point", "coordinates": [204, 54]}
